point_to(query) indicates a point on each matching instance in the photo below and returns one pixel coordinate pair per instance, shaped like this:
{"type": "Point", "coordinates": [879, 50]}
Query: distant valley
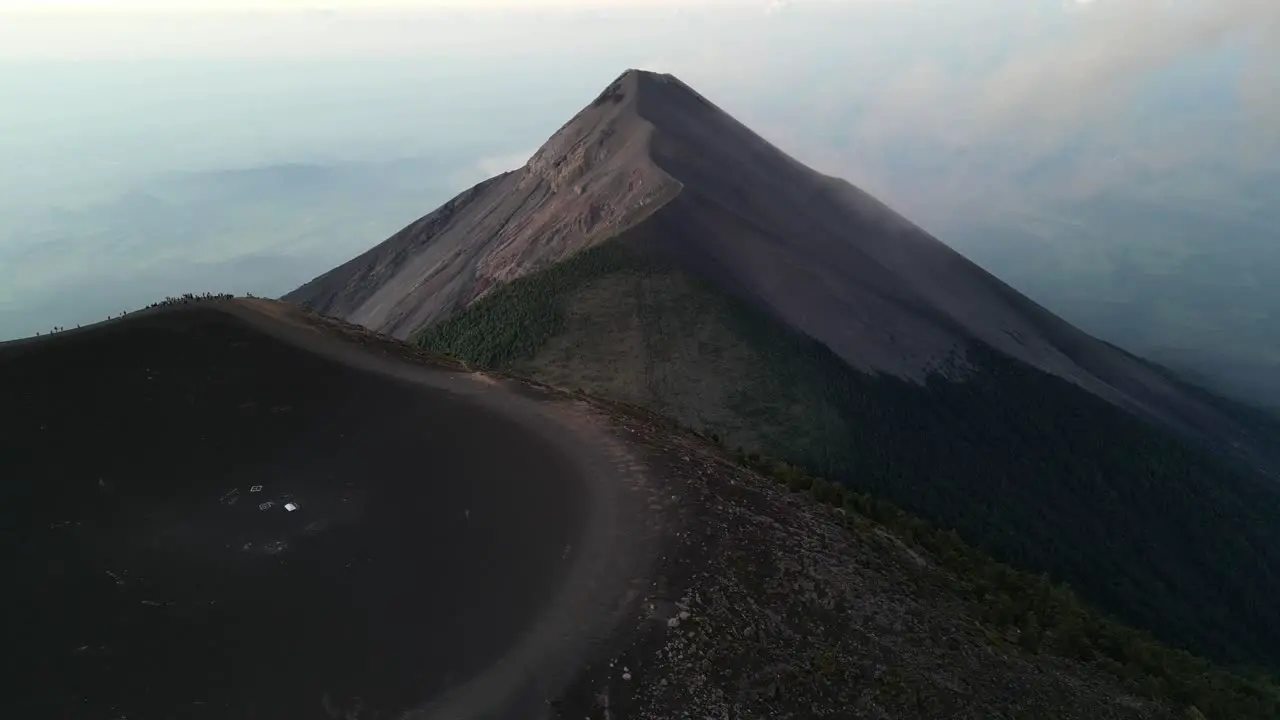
{"type": "Point", "coordinates": [1193, 290]}
{"type": "Point", "coordinates": [257, 230]}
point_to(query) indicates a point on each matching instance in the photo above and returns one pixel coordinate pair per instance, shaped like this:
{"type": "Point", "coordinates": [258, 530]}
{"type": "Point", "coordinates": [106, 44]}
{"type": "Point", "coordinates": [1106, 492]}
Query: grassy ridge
{"type": "Point", "coordinates": [1021, 464]}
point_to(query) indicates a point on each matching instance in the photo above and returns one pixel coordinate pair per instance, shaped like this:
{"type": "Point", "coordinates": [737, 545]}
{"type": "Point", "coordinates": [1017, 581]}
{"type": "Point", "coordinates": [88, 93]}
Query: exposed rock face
{"type": "Point", "coordinates": [591, 179]}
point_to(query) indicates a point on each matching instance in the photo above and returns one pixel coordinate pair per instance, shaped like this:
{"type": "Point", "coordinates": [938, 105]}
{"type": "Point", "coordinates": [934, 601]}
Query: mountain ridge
{"type": "Point", "coordinates": [657, 252]}
{"type": "Point", "coordinates": [774, 594]}
{"type": "Point", "coordinates": [1021, 463]}
{"type": "Point", "coordinates": [821, 254]}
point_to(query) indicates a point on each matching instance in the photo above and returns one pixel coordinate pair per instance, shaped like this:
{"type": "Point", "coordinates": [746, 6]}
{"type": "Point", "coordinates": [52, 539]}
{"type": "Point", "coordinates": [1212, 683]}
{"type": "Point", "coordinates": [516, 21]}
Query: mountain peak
{"type": "Point", "coordinates": [604, 144]}
{"type": "Point", "coordinates": [634, 95]}
{"type": "Point", "coordinates": [651, 154]}
{"type": "Point", "coordinates": [632, 78]}
{"type": "Point", "coordinates": [653, 85]}
{"type": "Point", "coordinates": [660, 95]}
{"type": "Point", "coordinates": [621, 133]}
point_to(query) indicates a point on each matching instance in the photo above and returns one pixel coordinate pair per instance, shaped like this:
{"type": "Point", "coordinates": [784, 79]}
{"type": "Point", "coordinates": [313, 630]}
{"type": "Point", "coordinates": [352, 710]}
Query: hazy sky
{"type": "Point", "coordinates": [835, 81]}
{"type": "Point", "coordinates": [291, 5]}
{"type": "Point", "coordinates": [951, 110]}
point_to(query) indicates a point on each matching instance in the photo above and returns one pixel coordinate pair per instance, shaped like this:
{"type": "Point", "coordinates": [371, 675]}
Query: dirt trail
{"type": "Point", "coordinates": [235, 509]}
{"type": "Point", "coordinates": [612, 563]}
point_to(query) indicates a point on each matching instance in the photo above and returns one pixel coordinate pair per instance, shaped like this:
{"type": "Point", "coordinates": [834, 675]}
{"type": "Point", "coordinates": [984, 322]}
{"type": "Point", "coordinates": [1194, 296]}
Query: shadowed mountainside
{"type": "Point", "coordinates": [1149, 526]}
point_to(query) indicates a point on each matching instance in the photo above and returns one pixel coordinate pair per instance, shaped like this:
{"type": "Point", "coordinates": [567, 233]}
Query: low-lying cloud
{"type": "Point", "coordinates": [1072, 97]}
{"type": "Point", "coordinates": [1112, 47]}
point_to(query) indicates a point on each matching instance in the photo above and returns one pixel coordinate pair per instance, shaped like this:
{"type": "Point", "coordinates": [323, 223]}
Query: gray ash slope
{"type": "Point", "coordinates": [652, 154]}
{"type": "Point", "coordinates": [661, 581]}
{"type": "Point", "coordinates": [416, 569]}
{"type": "Point", "coordinates": [592, 178]}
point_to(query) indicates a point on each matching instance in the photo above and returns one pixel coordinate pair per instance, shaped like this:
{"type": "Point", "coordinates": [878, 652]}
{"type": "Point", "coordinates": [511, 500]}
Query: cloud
{"type": "Point", "coordinates": [1111, 49]}
{"type": "Point", "coordinates": [1058, 79]}
{"type": "Point", "coordinates": [1030, 105]}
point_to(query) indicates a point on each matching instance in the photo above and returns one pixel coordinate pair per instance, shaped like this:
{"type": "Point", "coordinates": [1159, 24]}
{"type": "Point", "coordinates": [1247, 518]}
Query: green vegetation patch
{"type": "Point", "coordinates": [515, 320]}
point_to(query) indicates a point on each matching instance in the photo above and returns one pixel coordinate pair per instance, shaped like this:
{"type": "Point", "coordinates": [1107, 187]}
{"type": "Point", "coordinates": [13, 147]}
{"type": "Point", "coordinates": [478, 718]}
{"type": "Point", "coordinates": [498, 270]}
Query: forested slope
{"type": "Point", "coordinates": [1023, 464]}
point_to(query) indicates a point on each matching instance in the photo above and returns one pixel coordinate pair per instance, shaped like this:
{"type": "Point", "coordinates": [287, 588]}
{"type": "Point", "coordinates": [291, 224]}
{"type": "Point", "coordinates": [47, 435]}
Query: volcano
{"type": "Point", "coordinates": [650, 155]}
{"type": "Point", "coordinates": [658, 252]}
